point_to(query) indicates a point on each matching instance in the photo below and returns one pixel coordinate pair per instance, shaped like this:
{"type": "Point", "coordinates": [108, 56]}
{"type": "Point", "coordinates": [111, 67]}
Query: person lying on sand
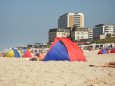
{"type": "Point", "coordinates": [109, 64]}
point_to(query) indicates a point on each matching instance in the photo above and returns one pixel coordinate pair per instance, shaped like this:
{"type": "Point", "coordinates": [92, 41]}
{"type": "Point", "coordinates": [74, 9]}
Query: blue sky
{"type": "Point", "coordinates": [28, 21]}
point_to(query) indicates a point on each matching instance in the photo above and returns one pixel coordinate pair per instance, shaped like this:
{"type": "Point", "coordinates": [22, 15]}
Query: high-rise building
{"type": "Point", "coordinates": [70, 19]}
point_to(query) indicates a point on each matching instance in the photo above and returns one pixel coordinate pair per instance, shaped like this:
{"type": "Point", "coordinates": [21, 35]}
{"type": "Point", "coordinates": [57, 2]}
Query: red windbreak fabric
{"type": "Point", "coordinates": [113, 50]}
{"type": "Point", "coordinates": [27, 54]}
{"type": "Point", "coordinates": [74, 50]}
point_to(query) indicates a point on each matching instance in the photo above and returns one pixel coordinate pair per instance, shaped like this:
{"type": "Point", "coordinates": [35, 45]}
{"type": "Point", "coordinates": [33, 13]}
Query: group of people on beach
{"type": "Point", "coordinates": [38, 55]}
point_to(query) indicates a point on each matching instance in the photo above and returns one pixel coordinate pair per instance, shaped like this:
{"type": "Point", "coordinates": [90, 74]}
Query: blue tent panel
{"type": "Point", "coordinates": [57, 52]}
{"type": "Point", "coordinates": [16, 53]}
{"type": "Point", "coordinates": [103, 51]}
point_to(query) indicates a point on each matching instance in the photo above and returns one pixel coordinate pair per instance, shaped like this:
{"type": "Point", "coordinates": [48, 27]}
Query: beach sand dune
{"type": "Point", "coordinates": [19, 72]}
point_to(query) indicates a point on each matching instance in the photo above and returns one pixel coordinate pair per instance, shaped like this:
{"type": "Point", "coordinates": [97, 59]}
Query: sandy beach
{"type": "Point", "coordinates": [19, 72]}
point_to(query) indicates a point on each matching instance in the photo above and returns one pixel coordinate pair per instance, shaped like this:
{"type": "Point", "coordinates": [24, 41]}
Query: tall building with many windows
{"type": "Point", "coordinates": [70, 19]}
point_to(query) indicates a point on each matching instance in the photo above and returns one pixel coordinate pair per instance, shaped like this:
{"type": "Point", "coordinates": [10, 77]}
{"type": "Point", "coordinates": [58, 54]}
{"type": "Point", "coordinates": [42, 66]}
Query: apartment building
{"type": "Point", "coordinates": [69, 19]}
{"type": "Point", "coordinates": [103, 29]}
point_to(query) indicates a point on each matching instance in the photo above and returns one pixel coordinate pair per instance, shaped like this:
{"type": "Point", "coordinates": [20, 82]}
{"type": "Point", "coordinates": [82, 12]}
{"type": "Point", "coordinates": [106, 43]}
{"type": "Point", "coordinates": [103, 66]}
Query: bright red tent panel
{"type": "Point", "coordinates": [74, 50]}
{"type": "Point", "coordinates": [27, 54]}
{"type": "Point", "coordinates": [113, 50]}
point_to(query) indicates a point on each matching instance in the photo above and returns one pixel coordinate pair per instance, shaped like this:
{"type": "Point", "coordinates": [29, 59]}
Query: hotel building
{"type": "Point", "coordinates": [70, 19]}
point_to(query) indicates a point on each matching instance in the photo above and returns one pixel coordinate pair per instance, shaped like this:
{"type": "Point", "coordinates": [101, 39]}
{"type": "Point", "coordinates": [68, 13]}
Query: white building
{"type": "Point", "coordinates": [103, 29]}
{"type": "Point", "coordinates": [79, 33]}
{"type": "Point", "coordinates": [90, 33]}
{"type": "Point", "coordinates": [69, 19]}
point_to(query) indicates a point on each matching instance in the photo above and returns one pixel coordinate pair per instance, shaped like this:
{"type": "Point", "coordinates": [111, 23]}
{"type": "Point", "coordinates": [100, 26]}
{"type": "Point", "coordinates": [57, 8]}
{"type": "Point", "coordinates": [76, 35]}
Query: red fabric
{"type": "Point", "coordinates": [74, 51]}
{"type": "Point", "coordinates": [113, 50]}
{"type": "Point", "coordinates": [27, 54]}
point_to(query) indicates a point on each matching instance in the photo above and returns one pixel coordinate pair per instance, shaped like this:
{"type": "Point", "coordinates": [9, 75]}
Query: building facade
{"type": "Point", "coordinates": [90, 33]}
{"type": "Point", "coordinates": [79, 33]}
{"type": "Point", "coordinates": [70, 19]}
{"type": "Point", "coordinates": [103, 29]}
{"type": "Point", "coordinates": [58, 32]}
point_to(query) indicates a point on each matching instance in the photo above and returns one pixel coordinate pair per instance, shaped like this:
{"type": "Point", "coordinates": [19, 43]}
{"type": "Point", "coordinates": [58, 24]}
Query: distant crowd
{"type": "Point", "coordinates": [34, 52]}
{"type": "Point", "coordinates": [108, 46]}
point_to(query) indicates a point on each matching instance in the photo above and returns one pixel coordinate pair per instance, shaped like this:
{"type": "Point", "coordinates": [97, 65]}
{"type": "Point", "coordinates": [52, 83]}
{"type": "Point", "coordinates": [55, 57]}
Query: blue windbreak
{"type": "Point", "coordinates": [57, 52]}
{"type": "Point", "coordinates": [16, 53]}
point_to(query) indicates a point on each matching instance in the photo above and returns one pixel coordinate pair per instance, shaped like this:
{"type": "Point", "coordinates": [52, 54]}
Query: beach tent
{"type": "Point", "coordinates": [13, 53]}
{"type": "Point", "coordinates": [27, 53]}
{"type": "Point", "coordinates": [103, 51]}
{"type": "Point", "coordinates": [64, 49]}
{"type": "Point", "coordinates": [112, 50]}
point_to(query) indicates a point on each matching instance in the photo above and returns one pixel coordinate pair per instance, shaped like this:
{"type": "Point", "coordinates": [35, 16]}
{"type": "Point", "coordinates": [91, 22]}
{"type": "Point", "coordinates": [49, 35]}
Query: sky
{"type": "Point", "coordinates": [25, 22]}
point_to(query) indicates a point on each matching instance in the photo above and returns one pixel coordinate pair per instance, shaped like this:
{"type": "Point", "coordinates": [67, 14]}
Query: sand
{"type": "Point", "coordinates": [19, 72]}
